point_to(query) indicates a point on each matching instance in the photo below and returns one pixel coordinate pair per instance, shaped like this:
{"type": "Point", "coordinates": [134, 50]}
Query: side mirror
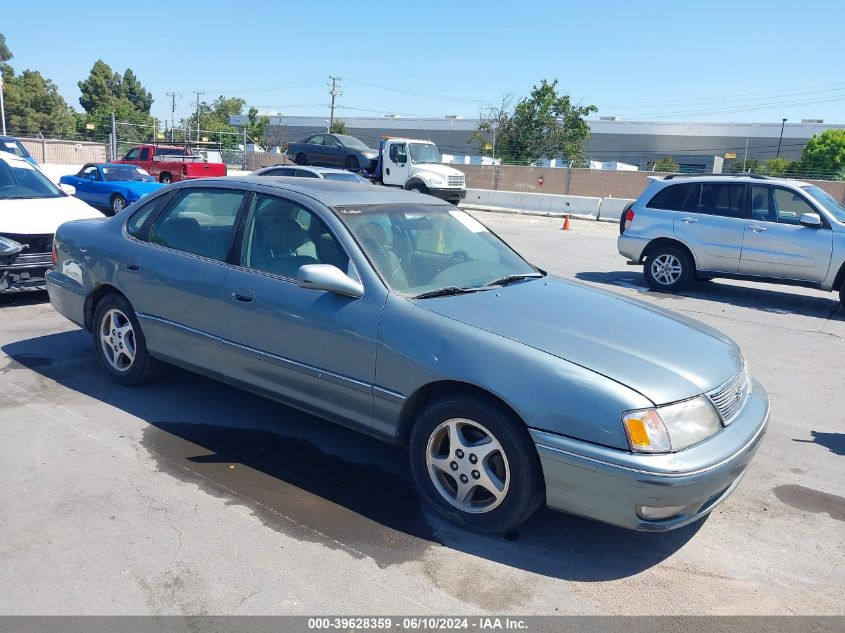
{"type": "Point", "coordinates": [810, 219]}
{"type": "Point", "coordinates": [68, 189]}
{"type": "Point", "coordinates": [329, 278]}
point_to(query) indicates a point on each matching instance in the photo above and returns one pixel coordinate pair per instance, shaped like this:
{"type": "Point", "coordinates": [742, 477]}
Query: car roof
{"type": "Point", "coordinates": [316, 170]}
{"type": "Point", "coordinates": [331, 193]}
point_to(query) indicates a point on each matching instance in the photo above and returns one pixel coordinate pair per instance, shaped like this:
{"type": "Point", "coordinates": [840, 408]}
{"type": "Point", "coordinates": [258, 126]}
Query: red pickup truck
{"type": "Point", "coordinates": [170, 163]}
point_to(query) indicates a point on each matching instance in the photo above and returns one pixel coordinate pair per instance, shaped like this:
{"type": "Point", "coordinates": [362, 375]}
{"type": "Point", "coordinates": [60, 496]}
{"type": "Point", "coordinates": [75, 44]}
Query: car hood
{"type": "Point", "coordinates": [440, 170]}
{"type": "Point", "coordinates": [141, 188]}
{"type": "Point", "coordinates": [664, 356]}
{"type": "Point", "coordinates": [42, 216]}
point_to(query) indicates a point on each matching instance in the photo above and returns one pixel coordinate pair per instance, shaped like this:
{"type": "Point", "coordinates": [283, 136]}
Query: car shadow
{"type": "Point", "coordinates": [15, 299]}
{"type": "Point", "coordinates": [758, 297]}
{"type": "Point", "coordinates": [320, 481]}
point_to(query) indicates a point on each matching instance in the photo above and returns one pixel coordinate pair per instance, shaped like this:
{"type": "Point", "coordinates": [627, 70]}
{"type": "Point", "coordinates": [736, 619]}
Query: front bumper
{"type": "Point", "coordinates": [610, 485]}
{"type": "Point", "coordinates": [450, 195]}
{"type": "Point", "coordinates": [24, 272]}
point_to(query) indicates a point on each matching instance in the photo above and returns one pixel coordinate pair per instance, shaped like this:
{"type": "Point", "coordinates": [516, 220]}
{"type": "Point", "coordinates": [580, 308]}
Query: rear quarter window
{"type": "Point", "coordinates": [670, 198]}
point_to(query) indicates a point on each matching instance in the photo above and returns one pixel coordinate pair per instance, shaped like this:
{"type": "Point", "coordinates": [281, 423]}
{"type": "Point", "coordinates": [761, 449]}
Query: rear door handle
{"type": "Point", "coordinates": [690, 220]}
{"type": "Point", "coordinates": [757, 229]}
{"type": "Point", "coordinates": [133, 264]}
{"type": "Point", "coordinates": [244, 295]}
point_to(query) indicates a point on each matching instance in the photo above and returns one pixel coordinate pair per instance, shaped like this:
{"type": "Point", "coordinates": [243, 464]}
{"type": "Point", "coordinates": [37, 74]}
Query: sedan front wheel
{"type": "Point", "coordinates": [476, 465]}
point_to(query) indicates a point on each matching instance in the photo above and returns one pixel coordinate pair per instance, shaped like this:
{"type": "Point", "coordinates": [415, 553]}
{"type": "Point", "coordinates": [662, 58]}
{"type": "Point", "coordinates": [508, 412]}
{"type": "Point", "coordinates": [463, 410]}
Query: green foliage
{"type": "Point", "coordinates": [104, 87]}
{"type": "Point", "coordinates": [214, 121]}
{"type": "Point", "coordinates": [543, 125]}
{"type": "Point", "coordinates": [666, 164]}
{"type": "Point", "coordinates": [750, 165]}
{"type": "Point", "coordinates": [32, 102]}
{"type": "Point", "coordinates": [256, 125]}
{"type": "Point", "coordinates": [824, 155]}
{"type": "Point", "coordinates": [776, 166]}
{"type": "Point", "coordinates": [338, 127]}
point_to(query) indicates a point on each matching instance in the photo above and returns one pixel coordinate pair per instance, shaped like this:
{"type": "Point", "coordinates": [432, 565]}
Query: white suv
{"type": "Point", "coordinates": [745, 226]}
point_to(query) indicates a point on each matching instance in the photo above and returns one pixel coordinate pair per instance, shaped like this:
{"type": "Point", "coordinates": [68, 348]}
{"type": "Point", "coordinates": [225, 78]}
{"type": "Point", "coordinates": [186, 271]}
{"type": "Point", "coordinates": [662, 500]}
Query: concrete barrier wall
{"type": "Point", "coordinates": [611, 209]}
{"type": "Point", "coordinates": [546, 204]}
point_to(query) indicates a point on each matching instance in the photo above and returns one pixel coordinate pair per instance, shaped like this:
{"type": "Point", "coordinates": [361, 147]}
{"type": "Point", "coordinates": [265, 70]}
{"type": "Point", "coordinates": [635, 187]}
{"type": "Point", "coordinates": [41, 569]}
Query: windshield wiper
{"type": "Point", "coordinates": [509, 279]}
{"type": "Point", "coordinates": [445, 292]}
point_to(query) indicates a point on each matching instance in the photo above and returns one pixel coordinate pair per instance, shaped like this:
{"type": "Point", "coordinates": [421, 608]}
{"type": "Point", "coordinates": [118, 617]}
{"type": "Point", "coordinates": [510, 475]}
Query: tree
{"type": "Point", "coordinates": [543, 125]}
{"type": "Point", "coordinates": [749, 165]}
{"type": "Point", "coordinates": [32, 102]}
{"type": "Point", "coordinates": [104, 87]}
{"type": "Point", "coordinates": [666, 164]}
{"type": "Point", "coordinates": [214, 120]}
{"type": "Point", "coordinates": [776, 166]}
{"type": "Point", "coordinates": [824, 155]}
{"type": "Point", "coordinates": [338, 127]}
{"type": "Point", "coordinates": [256, 125]}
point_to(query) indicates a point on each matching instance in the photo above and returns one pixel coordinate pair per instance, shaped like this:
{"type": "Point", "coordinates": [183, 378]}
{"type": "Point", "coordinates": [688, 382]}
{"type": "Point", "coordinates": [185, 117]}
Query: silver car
{"type": "Point", "coordinates": [299, 171]}
{"type": "Point", "coordinates": [747, 227]}
{"type": "Point", "coordinates": [403, 317]}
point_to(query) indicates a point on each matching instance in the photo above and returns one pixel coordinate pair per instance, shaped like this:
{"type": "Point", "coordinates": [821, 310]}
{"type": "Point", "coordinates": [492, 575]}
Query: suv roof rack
{"type": "Point", "coordinates": [755, 176]}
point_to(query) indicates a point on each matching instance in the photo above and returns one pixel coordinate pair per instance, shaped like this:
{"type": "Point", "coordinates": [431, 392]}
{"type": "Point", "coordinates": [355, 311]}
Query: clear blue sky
{"type": "Point", "coordinates": [692, 61]}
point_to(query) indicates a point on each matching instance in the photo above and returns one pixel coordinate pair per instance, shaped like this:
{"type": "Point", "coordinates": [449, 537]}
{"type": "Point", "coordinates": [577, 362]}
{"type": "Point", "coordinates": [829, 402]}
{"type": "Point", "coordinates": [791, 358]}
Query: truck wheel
{"type": "Point", "coordinates": [118, 203]}
{"type": "Point", "coordinates": [352, 163]}
{"type": "Point", "coordinates": [165, 178]}
{"type": "Point", "coordinates": [301, 159]}
{"type": "Point", "coordinates": [418, 187]}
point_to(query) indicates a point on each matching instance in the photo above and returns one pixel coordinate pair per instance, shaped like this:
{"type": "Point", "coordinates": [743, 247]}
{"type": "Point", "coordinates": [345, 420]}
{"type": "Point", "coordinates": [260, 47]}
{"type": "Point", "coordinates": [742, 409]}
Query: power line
{"type": "Point", "coordinates": [414, 93]}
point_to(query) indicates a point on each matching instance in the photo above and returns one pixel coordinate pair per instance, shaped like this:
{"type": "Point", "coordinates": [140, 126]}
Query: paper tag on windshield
{"type": "Point", "coordinates": [468, 221]}
{"type": "Point", "coordinates": [11, 145]}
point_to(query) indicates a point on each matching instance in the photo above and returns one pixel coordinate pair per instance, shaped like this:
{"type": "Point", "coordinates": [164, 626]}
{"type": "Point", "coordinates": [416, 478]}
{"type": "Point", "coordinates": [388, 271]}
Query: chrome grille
{"type": "Point", "coordinates": [456, 181]}
{"type": "Point", "coordinates": [730, 397]}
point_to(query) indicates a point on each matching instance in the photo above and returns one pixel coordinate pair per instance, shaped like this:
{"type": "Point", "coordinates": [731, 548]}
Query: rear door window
{"type": "Point", "coordinates": [199, 221]}
{"type": "Point", "coordinates": [727, 200]}
{"type": "Point", "coordinates": [316, 140]}
{"type": "Point", "coordinates": [671, 198]}
{"type": "Point", "coordinates": [304, 173]}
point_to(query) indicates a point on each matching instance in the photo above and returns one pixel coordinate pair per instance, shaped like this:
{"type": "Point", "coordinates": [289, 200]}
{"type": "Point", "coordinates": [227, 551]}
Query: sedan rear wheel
{"type": "Point", "coordinates": [475, 464]}
{"type": "Point", "coordinates": [119, 343]}
{"type": "Point", "coordinates": [118, 203]}
{"type": "Point", "coordinates": [301, 159]}
{"type": "Point", "coordinates": [352, 163]}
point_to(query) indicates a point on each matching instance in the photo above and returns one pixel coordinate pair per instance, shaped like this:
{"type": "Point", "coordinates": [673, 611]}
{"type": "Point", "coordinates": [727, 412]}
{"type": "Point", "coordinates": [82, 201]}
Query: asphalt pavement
{"type": "Point", "coordinates": [188, 496]}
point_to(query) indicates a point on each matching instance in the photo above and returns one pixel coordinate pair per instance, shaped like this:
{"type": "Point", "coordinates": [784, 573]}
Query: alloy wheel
{"type": "Point", "coordinates": [666, 269]}
{"type": "Point", "coordinates": [117, 339]}
{"type": "Point", "coordinates": [467, 465]}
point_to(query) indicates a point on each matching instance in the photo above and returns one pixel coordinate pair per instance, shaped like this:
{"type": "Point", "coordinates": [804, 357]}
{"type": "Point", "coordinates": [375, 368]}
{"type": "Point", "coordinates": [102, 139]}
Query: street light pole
{"type": "Point", "coordinates": [783, 122]}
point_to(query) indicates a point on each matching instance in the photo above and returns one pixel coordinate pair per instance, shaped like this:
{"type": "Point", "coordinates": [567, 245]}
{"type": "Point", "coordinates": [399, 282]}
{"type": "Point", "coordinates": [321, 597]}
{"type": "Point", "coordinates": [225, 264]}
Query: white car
{"type": "Point", "coordinates": [31, 209]}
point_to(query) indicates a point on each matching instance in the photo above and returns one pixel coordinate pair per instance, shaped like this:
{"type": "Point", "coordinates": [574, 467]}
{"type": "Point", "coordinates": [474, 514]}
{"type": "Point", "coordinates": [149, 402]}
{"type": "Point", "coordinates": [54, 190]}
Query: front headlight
{"type": "Point", "coordinates": [437, 180]}
{"type": "Point", "coordinates": [370, 155]}
{"type": "Point", "coordinates": [672, 427]}
{"type": "Point", "coordinates": [9, 247]}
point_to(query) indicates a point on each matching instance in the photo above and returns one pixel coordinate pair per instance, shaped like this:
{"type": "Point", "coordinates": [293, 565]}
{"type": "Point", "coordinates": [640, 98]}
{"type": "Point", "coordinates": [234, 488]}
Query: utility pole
{"type": "Point", "coordinates": [334, 92]}
{"type": "Point", "coordinates": [172, 96]}
{"type": "Point", "coordinates": [198, 113]}
{"type": "Point", "coordinates": [783, 122]}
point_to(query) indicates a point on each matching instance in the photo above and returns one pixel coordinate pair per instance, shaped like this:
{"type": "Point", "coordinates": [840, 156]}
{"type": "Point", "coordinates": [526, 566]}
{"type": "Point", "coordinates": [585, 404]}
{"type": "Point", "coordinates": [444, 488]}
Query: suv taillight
{"type": "Point", "coordinates": [626, 219]}
{"type": "Point", "coordinates": [54, 254]}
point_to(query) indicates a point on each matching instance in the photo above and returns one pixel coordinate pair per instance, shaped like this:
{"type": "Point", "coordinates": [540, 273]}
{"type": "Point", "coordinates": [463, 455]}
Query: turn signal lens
{"type": "Point", "coordinates": [55, 253]}
{"type": "Point", "coordinates": [629, 217]}
{"type": "Point", "coordinates": [646, 432]}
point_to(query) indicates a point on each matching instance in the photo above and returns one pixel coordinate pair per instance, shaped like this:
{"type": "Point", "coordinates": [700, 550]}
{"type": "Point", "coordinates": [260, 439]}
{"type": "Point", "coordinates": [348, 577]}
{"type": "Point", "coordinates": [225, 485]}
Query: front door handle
{"type": "Point", "coordinates": [690, 220]}
{"type": "Point", "coordinates": [244, 295]}
{"type": "Point", "coordinates": [757, 229]}
{"type": "Point", "coordinates": [133, 264]}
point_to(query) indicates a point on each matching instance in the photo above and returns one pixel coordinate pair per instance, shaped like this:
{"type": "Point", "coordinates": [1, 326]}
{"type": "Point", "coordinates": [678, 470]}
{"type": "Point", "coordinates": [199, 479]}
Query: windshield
{"type": "Point", "coordinates": [22, 181]}
{"type": "Point", "coordinates": [827, 201]}
{"type": "Point", "coordinates": [424, 153]}
{"type": "Point", "coordinates": [417, 249]}
{"type": "Point", "coordinates": [14, 147]}
{"type": "Point", "coordinates": [350, 141]}
{"type": "Point", "coordinates": [347, 177]}
{"type": "Point", "coordinates": [125, 172]}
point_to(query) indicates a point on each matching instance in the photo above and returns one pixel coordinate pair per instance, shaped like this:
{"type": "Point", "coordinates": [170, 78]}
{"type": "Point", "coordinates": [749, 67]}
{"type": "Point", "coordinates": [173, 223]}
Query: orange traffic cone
{"type": "Point", "coordinates": [566, 226]}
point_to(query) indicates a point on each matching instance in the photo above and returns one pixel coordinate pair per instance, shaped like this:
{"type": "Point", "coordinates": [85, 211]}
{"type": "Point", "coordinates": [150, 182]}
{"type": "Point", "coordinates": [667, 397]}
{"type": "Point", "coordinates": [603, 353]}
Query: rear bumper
{"type": "Point", "coordinates": [612, 486]}
{"type": "Point", "coordinates": [631, 247]}
{"type": "Point", "coordinates": [66, 298]}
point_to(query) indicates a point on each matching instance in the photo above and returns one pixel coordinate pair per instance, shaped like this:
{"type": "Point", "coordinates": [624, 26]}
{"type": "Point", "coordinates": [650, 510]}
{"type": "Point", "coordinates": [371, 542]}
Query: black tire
{"type": "Point", "coordinates": [352, 164]}
{"type": "Point", "coordinates": [842, 294]}
{"type": "Point", "coordinates": [525, 489]}
{"type": "Point", "coordinates": [165, 178]}
{"type": "Point", "coordinates": [418, 187]}
{"type": "Point", "coordinates": [143, 367]}
{"type": "Point", "coordinates": [118, 204]}
{"type": "Point", "coordinates": [668, 269]}
{"type": "Point", "coordinates": [301, 159]}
